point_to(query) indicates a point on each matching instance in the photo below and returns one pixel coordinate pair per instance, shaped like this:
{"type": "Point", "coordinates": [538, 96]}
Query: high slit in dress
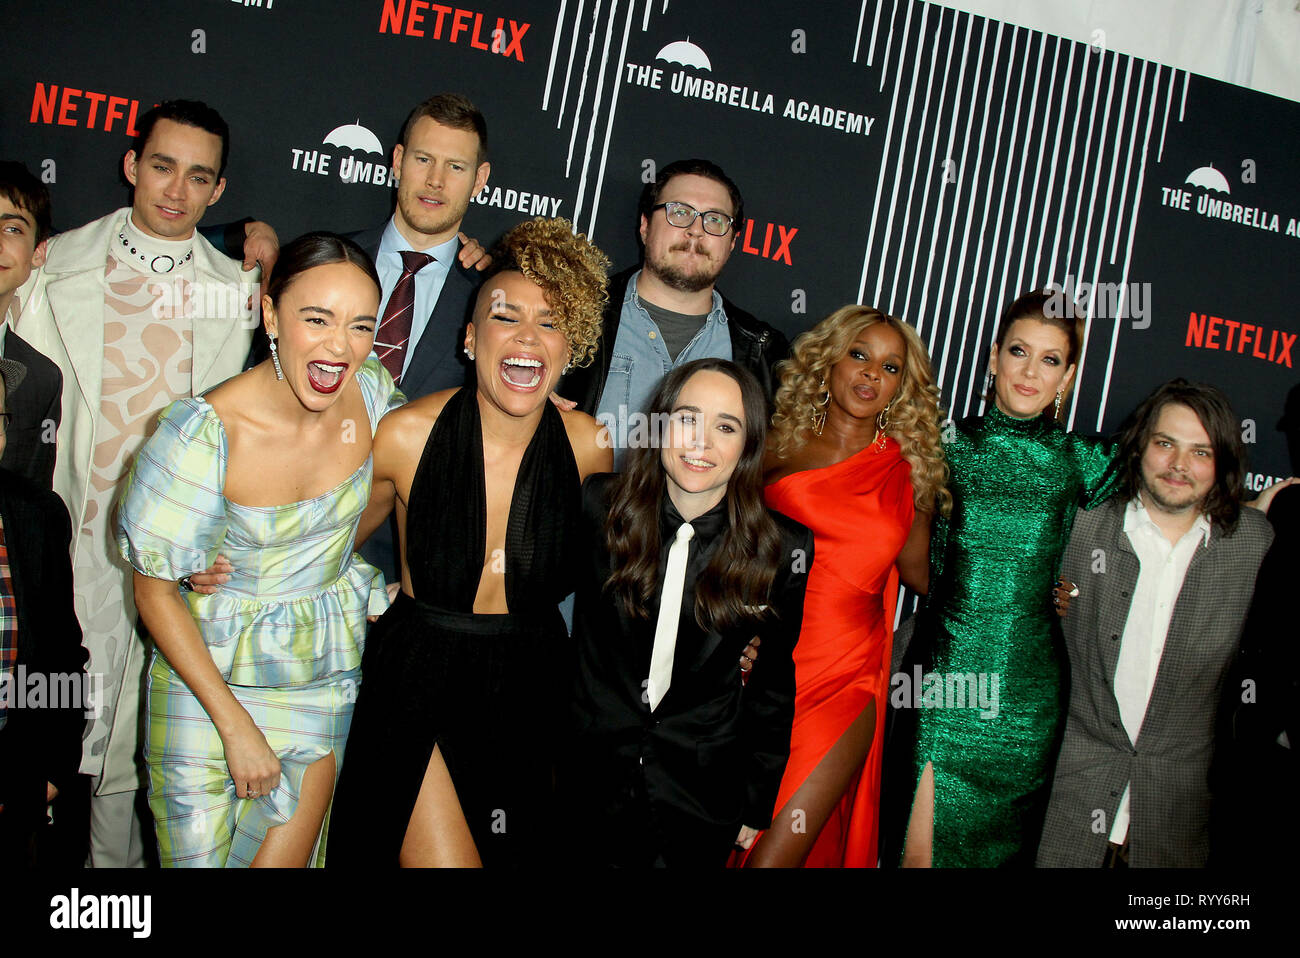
{"type": "Point", "coordinates": [487, 690]}
{"type": "Point", "coordinates": [286, 631]}
{"type": "Point", "coordinates": [860, 511]}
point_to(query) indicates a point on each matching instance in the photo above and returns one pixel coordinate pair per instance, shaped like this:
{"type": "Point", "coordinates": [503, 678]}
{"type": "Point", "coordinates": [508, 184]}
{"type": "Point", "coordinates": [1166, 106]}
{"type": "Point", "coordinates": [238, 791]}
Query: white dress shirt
{"type": "Point", "coordinates": [1162, 568]}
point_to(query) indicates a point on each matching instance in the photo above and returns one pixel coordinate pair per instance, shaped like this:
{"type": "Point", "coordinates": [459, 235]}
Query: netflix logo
{"type": "Point", "coordinates": [768, 240]}
{"type": "Point", "coordinates": [421, 18]}
{"type": "Point", "coordinates": [84, 108]}
{"type": "Point", "coordinates": [1259, 342]}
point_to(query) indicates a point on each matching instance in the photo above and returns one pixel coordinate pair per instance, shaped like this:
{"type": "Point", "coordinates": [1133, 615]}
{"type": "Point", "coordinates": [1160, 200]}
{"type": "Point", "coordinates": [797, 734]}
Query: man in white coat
{"type": "Point", "coordinates": [137, 310]}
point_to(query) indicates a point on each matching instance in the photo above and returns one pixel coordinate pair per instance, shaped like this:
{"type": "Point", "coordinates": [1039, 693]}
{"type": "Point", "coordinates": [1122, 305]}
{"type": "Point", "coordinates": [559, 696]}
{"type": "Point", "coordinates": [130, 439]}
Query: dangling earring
{"type": "Point", "coordinates": [882, 422]}
{"type": "Point", "coordinates": [469, 353]}
{"type": "Point", "coordinates": [1057, 414]}
{"type": "Point", "coordinates": [988, 381]}
{"type": "Point", "coordinates": [819, 415]}
{"type": "Point", "coordinates": [275, 358]}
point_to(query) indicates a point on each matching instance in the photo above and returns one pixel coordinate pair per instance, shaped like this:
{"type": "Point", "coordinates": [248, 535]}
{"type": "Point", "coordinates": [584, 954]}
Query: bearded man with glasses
{"type": "Point", "coordinates": [667, 311]}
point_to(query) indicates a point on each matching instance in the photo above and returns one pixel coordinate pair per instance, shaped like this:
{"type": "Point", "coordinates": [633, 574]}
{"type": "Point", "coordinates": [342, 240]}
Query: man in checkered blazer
{"type": "Point", "coordinates": [1165, 573]}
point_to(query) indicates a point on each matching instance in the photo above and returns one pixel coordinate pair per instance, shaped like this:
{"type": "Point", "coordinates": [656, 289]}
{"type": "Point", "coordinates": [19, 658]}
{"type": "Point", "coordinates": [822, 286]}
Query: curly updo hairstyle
{"type": "Point", "coordinates": [571, 272]}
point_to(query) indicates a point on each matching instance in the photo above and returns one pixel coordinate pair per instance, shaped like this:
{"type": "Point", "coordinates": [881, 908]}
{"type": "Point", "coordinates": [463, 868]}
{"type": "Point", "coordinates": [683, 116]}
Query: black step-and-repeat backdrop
{"type": "Point", "coordinates": [892, 152]}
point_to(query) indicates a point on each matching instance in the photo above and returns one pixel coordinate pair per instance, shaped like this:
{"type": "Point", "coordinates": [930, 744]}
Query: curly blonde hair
{"type": "Point", "coordinates": [914, 417]}
{"type": "Point", "coordinates": [570, 271]}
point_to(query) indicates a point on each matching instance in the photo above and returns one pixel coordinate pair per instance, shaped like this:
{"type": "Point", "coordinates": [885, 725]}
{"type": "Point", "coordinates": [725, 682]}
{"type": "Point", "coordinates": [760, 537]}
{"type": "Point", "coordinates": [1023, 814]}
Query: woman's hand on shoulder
{"type": "Point", "coordinates": [1265, 498]}
{"type": "Point", "coordinates": [592, 448]}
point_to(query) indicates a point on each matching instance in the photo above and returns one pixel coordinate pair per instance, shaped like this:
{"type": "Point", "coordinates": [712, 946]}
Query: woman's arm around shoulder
{"type": "Point", "coordinates": [1098, 475]}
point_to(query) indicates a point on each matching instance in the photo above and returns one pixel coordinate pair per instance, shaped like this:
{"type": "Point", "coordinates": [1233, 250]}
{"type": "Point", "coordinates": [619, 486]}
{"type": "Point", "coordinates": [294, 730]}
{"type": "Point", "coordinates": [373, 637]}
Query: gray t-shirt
{"type": "Point", "coordinates": [677, 329]}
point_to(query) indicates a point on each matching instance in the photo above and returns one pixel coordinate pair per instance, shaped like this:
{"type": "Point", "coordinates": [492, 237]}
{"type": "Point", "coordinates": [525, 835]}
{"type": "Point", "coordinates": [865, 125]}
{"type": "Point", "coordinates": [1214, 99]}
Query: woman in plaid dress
{"type": "Point", "coordinates": [251, 689]}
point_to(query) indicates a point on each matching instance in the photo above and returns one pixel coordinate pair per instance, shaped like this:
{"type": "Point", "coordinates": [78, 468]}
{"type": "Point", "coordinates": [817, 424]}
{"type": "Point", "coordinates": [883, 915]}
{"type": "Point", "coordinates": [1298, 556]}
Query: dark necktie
{"type": "Point", "coordinates": [395, 328]}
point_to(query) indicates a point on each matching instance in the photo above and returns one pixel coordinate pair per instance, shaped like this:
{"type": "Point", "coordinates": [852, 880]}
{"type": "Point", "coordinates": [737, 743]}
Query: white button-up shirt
{"type": "Point", "coordinates": [1162, 568]}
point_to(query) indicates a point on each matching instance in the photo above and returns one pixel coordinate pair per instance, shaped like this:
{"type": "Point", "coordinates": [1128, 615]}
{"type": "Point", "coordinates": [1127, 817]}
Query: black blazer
{"type": "Point", "coordinates": [711, 756]}
{"type": "Point", "coordinates": [1253, 777]}
{"type": "Point", "coordinates": [38, 401]}
{"type": "Point", "coordinates": [39, 745]}
{"type": "Point", "coordinates": [438, 363]}
{"type": "Point", "coordinates": [754, 344]}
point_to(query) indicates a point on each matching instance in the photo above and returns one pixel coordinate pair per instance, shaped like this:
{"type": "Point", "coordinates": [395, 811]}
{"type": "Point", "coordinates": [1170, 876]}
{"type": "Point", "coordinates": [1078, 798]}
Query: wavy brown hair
{"type": "Point", "coordinates": [738, 579]}
{"type": "Point", "coordinates": [1223, 502]}
{"type": "Point", "coordinates": [571, 272]}
{"type": "Point", "coordinates": [913, 419]}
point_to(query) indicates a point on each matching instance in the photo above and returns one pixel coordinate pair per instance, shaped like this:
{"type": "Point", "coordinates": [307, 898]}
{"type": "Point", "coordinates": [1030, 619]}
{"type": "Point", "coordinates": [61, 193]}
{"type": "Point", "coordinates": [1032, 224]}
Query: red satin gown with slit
{"type": "Point", "coordinates": [860, 511]}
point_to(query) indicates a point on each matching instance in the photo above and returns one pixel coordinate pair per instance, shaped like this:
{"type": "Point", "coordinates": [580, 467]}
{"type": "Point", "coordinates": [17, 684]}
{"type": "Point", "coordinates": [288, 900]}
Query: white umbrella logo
{"type": "Point", "coordinates": [1208, 178]}
{"type": "Point", "coordinates": [353, 136]}
{"type": "Point", "coordinates": [685, 53]}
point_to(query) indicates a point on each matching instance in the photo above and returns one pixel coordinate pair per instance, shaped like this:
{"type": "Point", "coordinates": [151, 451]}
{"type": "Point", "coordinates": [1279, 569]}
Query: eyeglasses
{"type": "Point", "coordinates": [682, 215]}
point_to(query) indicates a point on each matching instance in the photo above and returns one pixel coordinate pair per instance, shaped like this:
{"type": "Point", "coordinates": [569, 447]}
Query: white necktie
{"type": "Point", "coordinates": [670, 609]}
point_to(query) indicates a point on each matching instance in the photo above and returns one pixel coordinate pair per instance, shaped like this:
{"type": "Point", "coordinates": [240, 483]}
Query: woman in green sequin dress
{"type": "Point", "coordinates": [976, 756]}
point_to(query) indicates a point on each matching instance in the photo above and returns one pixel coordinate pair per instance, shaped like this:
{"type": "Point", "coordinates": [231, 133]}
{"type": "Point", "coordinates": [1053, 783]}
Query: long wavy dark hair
{"type": "Point", "coordinates": [1223, 502]}
{"type": "Point", "coordinates": [739, 576]}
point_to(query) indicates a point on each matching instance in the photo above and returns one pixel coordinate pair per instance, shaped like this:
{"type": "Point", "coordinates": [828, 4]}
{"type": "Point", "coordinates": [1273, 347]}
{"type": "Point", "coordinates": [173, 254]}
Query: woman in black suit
{"type": "Point", "coordinates": [673, 759]}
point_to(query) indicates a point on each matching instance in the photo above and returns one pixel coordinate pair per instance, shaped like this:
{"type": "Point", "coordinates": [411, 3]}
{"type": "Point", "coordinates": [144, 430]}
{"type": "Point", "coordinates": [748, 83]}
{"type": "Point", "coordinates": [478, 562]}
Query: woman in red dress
{"type": "Point", "coordinates": [855, 455]}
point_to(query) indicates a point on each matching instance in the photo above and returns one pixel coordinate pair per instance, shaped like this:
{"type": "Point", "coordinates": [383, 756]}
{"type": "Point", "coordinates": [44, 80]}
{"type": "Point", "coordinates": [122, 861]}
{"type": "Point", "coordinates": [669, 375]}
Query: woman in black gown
{"type": "Point", "coordinates": [449, 760]}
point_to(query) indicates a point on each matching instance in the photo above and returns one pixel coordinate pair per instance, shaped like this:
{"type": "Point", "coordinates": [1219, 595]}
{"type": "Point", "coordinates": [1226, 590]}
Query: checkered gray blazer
{"type": "Point", "coordinates": [1168, 766]}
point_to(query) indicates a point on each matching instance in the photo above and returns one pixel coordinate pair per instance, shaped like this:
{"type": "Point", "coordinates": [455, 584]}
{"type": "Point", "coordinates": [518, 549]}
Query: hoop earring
{"type": "Point", "coordinates": [275, 358]}
{"type": "Point", "coordinates": [1057, 413]}
{"type": "Point", "coordinates": [882, 421]}
{"type": "Point", "coordinates": [819, 415]}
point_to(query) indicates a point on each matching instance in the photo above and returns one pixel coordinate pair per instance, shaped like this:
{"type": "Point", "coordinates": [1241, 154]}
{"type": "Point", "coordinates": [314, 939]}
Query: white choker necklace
{"type": "Point", "coordinates": [161, 263]}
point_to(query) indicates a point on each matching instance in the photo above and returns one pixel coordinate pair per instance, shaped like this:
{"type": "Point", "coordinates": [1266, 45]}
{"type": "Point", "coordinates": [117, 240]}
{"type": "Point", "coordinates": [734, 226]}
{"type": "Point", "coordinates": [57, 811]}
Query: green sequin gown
{"type": "Point", "coordinates": [1016, 485]}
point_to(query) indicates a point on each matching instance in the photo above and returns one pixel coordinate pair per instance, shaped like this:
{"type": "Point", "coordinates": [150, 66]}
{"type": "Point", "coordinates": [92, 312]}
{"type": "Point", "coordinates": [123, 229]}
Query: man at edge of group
{"type": "Point", "coordinates": [1165, 574]}
{"type": "Point", "coordinates": [35, 413]}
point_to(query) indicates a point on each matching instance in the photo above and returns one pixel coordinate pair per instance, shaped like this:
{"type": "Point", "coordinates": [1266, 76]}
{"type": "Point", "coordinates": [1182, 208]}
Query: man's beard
{"type": "Point", "coordinates": [1170, 506]}
{"type": "Point", "coordinates": [676, 278]}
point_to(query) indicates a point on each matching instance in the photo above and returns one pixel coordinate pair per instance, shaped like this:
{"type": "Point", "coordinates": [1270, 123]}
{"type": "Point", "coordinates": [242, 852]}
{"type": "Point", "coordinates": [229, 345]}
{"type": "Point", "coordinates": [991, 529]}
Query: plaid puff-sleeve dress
{"type": "Point", "coordinates": [286, 631]}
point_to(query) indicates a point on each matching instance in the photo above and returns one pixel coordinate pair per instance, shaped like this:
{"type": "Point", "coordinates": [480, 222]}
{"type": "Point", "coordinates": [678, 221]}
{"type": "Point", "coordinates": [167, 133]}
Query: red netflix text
{"type": "Point", "coordinates": [758, 240]}
{"type": "Point", "coordinates": [94, 111]}
{"type": "Point", "coordinates": [1214, 332]}
{"type": "Point", "coordinates": [419, 18]}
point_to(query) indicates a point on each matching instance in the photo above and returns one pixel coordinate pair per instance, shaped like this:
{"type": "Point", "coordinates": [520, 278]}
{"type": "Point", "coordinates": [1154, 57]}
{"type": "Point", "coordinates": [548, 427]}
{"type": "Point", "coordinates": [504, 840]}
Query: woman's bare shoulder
{"type": "Point", "coordinates": [589, 440]}
{"type": "Point", "coordinates": [415, 417]}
